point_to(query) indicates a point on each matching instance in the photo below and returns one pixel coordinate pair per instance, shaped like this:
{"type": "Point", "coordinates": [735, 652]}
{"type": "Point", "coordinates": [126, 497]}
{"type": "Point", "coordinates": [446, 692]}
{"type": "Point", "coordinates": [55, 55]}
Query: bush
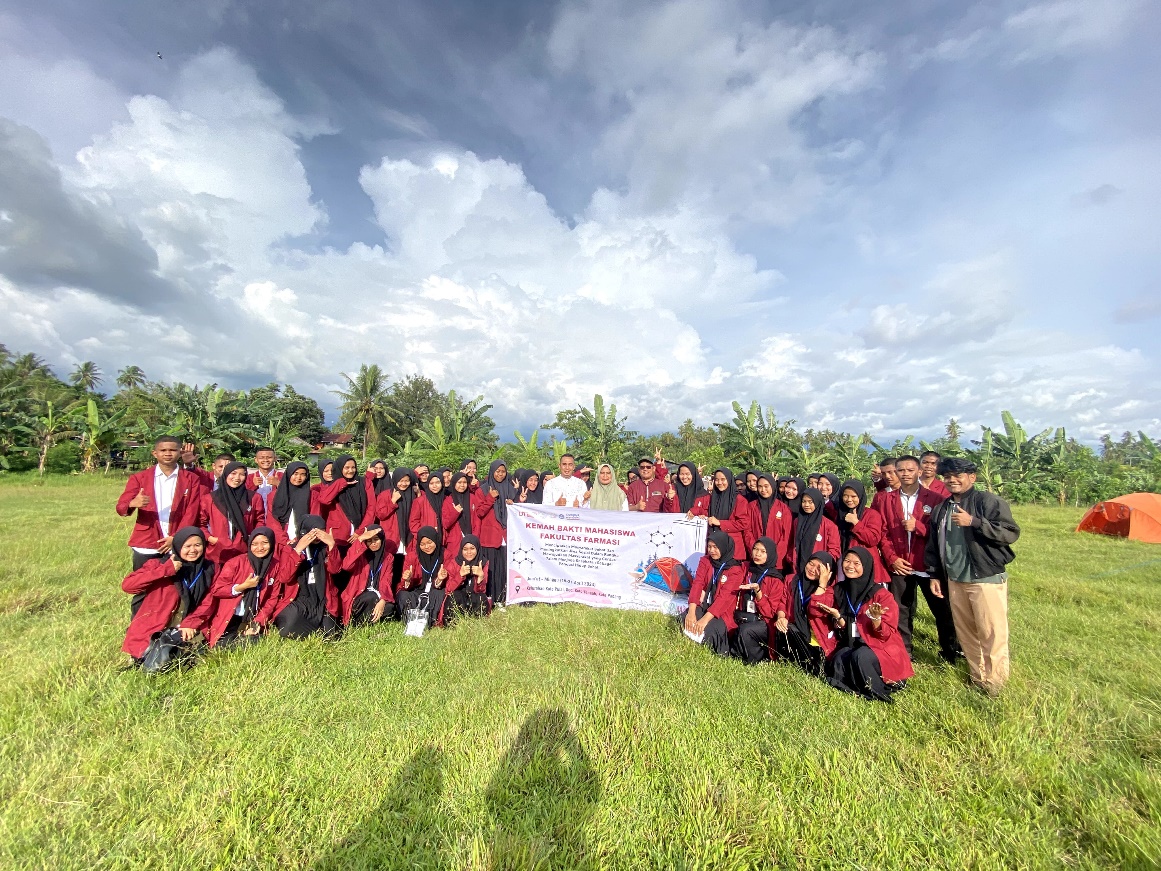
{"type": "Point", "coordinates": [63, 458]}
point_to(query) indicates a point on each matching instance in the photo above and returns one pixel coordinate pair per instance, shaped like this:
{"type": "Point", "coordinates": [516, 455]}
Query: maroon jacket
{"type": "Point", "coordinates": [358, 563]}
{"type": "Point", "coordinates": [162, 600]}
{"type": "Point", "coordinates": [653, 492]}
{"type": "Point", "coordinates": [938, 488]}
{"type": "Point", "coordinates": [455, 580]}
{"type": "Point", "coordinates": [778, 527]}
{"type": "Point", "coordinates": [205, 476]}
{"type": "Point", "coordinates": [828, 539]}
{"type": "Point", "coordinates": [491, 532]}
{"type": "Point", "coordinates": [417, 579]}
{"type": "Point", "coordinates": [187, 501]}
{"type": "Point", "coordinates": [288, 589]}
{"type": "Point", "coordinates": [868, 533]}
{"type": "Point", "coordinates": [213, 615]}
{"type": "Point", "coordinates": [332, 513]}
{"type": "Point", "coordinates": [820, 621]}
{"type": "Point", "coordinates": [215, 523]}
{"type": "Point", "coordinates": [422, 514]}
{"type": "Point", "coordinates": [897, 542]}
{"type": "Point", "coordinates": [886, 640]}
{"type": "Point", "coordinates": [452, 533]}
{"type": "Point", "coordinates": [725, 601]}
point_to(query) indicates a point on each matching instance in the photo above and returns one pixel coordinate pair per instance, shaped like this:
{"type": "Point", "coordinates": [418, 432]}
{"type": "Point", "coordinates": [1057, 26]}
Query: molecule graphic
{"type": "Point", "coordinates": [522, 556]}
{"type": "Point", "coordinates": [661, 539]}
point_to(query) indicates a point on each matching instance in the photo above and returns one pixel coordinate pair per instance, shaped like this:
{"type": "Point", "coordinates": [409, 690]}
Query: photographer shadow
{"type": "Point", "coordinates": [541, 797]}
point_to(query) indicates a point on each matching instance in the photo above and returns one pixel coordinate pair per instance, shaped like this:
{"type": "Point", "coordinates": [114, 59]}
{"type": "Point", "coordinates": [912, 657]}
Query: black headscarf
{"type": "Point", "coordinates": [751, 495]}
{"type": "Point", "coordinates": [807, 527]}
{"type": "Point", "coordinates": [853, 592]}
{"type": "Point", "coordinates": [435, 500]}
{"type": "Point", "coordinates": [686, 495]}
{"type": "Point", "coordinates": [289, 498]}
{"type": "Point", "coordinates": [835, 488]}
{"type": "Point", "coordinates": [845, 528]}
{"type": "Point", "coordinates": [479, 560]}
{"type": "Point", "coordinates": [796, 503]}
{"type": "Point", "coordinates": [801, 589]}
{"type": "Point", "coordinates": [429, 562]}
{"type": "Point", "coordinates": [194, 579]}
{"type": "Point", "coordinates": [770, 566]}
{"type": "Point", "coordinates": [722, 502]}
{"type": "Point", "coordinates": [233, 502]}
{"type": "Point", "coordinates": [765, 506]}
{"type": "Point", "coordinates": [352, 499]}
{"type": "Point", "coordinates": [505, 488]}
{"type": "Point", "coordinates": [725, 543]}
{"type": "Point", "coordinates": [403, 506]}
{"type": "Point", "coordinates": [311, 598]}
{"type": "Point", "coordinates": [322, 467]}
{"type": "Point", "coordinates": [260, 567]}
{"type": "Point", "coordinates": [375, 557]}
{"type": "Point", "coordinates": [464, 500]}
{"type": "Point", "coordinates": [378, 485]}
{"type": "Point", "coordinates": [532, 497]}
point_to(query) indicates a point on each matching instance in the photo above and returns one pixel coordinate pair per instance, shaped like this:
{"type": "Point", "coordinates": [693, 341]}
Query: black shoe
{"type": "Point", "coordinates": [950, 656]}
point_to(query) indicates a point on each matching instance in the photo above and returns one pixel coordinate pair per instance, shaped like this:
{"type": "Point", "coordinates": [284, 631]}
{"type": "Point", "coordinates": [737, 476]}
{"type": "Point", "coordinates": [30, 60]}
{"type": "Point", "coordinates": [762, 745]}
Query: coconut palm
{"type": "Point", "coordinates": [131, 377]}
{"type": "Point", "coordinates": [86, 376]}
{"type": "Point", "coordinates": [364, 410]}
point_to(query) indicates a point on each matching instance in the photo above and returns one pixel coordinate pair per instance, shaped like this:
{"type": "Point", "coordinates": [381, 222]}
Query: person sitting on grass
{"type": "Point", "coordinates": [310, 601]}
{"type": "Point", "coordinates": [802, 628]}
{"type": "Point", "coordinates": [468, 579]}
{"type": "Point", "coordinates": [758, 600]}
{"type": "Point", "coordinates": [367, 597]}
{"type": "Point", "coordinates": [713, 595]}
{"type": "Point", "coordinates": [870, 660]}
{"type": "Point", "coordinates": [168, 589]}
{"type": "Point", "coordinates": [424, 577]}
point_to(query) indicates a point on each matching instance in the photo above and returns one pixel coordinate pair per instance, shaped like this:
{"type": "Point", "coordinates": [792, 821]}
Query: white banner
{"type": "Point", "coordinates": [607, 559]}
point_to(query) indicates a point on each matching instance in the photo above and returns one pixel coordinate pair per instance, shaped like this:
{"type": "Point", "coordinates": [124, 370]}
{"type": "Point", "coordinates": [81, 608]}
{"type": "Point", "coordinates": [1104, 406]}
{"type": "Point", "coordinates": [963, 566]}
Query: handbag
{"type": "Point", "coordinates": [166, 651]}
{"type": "Point", "coordinates": [417, 618]}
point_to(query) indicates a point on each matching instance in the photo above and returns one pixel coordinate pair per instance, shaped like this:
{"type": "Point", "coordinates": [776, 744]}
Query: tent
{"type": "Point", "coordinates": [1137, 515]}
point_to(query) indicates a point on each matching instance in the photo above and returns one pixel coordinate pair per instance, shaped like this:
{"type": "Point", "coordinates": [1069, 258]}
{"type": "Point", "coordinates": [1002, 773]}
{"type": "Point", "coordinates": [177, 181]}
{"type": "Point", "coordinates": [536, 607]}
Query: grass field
{"type": "Point", "coordinates": [565, 737]}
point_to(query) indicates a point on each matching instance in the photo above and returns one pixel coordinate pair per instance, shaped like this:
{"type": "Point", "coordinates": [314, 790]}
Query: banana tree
{"type": "Point", "coordinates": [48, 429]}
{"type": "Point", "coordinates": [100, 434]}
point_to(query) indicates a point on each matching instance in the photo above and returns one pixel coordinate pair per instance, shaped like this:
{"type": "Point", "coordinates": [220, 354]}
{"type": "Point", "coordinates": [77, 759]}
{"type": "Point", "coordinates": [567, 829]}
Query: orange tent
{"type": "Point", "coordinates": [1137, 515]}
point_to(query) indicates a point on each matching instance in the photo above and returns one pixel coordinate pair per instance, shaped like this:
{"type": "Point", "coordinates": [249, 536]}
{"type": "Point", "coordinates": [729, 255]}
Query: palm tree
{"type": "Point", "coordinates": [131, 377]}
{"type": "Point", "coordinates": [86, 376]}
{"type": "Point", "coordinates": [364, 410]}
{"type": "Point", "coordinates": [755, 439]}
{"type": "Point", "coordinates": [599, 434]}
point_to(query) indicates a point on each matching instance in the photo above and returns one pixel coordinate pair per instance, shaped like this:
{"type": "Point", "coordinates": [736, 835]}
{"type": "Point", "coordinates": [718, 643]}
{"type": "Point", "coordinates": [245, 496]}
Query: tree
{"type": "Point", "coordinates": [414, 402]}
{"type": "Point", "coordinates": [756, 440]}
{"type": "Point", "coordinates": [100, 434]}
{"type": "Point", "coordinates": [86, 376]}
{"type": "Point", "coordinates": [47, 430]}
{"type": "Point", "coordinates": [298, 414]}
{"type": "Point", "coordinates": [527, 453]}
{"type": "Point", "coordinates": [365, 410]}
{"type": "Point", "coordinates": [131, 378]}
{"type": "Point", "coordinates": [597, 434]}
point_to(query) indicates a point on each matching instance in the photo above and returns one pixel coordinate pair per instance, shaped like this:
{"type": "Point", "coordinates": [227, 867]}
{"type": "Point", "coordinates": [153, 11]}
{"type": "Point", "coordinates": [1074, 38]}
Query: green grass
{"type": "Point", "coordinates": [565, 737]}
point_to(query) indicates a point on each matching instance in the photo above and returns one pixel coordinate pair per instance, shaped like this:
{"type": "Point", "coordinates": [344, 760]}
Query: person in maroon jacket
{"type": "Point", "coordinates": [427, 507]}
{"type": "Point", "coordinates": [929, 474]}
{"type": "Point", "coordinates": [500, 492]}
{"type": "Point", "coordinates": [687, 494]}
{"type": "Point", "coordinates": [802, 630]}
{"type": "Point", "coordinates": [393, 510]}
{"type": "Point", "coordinates": [906, 513]}
{"type": "Point", "coordinates": [770, 518]}
{"type": "Point", "coordinates": [169, 590]}
{"type": "Point", "coordinates": [230, 514]}
{"type": "Point", "coordinates": [424, 577]}
{"type": "Point", "coordinates": [870, 660]}
{"type": "Point", "coordinates": [729, 511]}
{"type": "Point", "coordinates": [265, 480]}
{"type": "Point", "coordinates": [291, 503]}
{"type": "Point", "coordinates": [368, 597]}
{"type": "Point", "coordinates": [885, 477]}
{"type": "Point", "coordinates": [344, 504]}
{"type": "Point", "coordinates": [648, 493]}
{"type": "Point", "coordinates": [860, 526]}
{"type": "Point", "coordinates": [163, 498]}
{"type": "Point", "coordinates": [759, 598]}
{"type": "Point", "coordinates": [326, 474]}
{"type": "Point", "coordinates": [461, 515]}
{"type": "Point", "coordinates": [310, 599]}
{"type": "Point", "coordinates": [467, 583]}
{"type": "Point", "coordinates": [713, 594]}
{"type": "Point", "coordinates": [812, 531]}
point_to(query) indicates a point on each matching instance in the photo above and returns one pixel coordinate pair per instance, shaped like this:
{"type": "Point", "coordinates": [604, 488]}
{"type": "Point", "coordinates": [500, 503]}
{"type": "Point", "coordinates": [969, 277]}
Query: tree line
{"type": "Point", "coordinates": [70, 425]}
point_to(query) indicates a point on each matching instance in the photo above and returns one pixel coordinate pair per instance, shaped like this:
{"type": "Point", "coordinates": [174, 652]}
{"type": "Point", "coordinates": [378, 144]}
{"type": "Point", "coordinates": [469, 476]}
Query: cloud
{"type": "Point", "coordinates": [1058, 27]}
{"type": "Point", "coordinates": [1098, 196]}
{"type": "Point", "coordinates": [1142, 308]}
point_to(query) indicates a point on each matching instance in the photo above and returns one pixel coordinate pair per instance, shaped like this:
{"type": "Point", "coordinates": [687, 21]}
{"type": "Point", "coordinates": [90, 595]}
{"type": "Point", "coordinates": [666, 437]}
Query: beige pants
{"type": "Point", "coordinates": [980, 612]}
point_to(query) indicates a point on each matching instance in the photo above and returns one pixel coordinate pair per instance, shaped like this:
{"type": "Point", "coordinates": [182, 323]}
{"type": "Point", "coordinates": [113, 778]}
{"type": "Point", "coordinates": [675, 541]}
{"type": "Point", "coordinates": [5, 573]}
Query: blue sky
{"type": "Point", "coordinates": [867, 216]}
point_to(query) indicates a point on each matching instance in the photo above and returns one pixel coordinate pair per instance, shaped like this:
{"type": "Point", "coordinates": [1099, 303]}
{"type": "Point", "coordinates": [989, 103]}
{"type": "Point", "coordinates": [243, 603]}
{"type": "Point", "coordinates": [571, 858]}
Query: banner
{"type": "Point", "coordinates": [607, 559]}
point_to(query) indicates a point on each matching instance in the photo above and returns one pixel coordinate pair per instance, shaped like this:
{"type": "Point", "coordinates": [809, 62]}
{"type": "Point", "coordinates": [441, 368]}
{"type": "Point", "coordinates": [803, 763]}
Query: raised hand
{"type": "Point", "coordinates": [875, 611]}
{"type": "Point", "coordinates": [249, 584]}
{"type": "Point", "coordinates": [465, 571]}
{"type": "Point", "coordinates": [561, 502]}
{"type": "Point", "coordinates": [140, 500]}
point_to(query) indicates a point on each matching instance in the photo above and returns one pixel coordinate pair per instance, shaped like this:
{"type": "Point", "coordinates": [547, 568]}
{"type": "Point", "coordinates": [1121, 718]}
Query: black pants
{"type": "Point", "coordinates": [464, 601]}
{"type": "Point", "coordinates": [795, 647]}
{"type": "Point", "coordinates": [233, 636]}
{"type": "Point", "coordinates": [363, 606]}
{"type": "Point", "coordinates": [397, 570]}
{"type": "Point", "coordinates": [409, 599]}
{"type": "Point", "coordinates": [140, 560]}
{"type": "Point", "coordinates": [497, 558]}
{"type": "Point", "coordinates": [857, 670]}
{"type": "Point", "coordinates": [716, 636]}
{"type": "Point", "coordinates": [294, 622]}
{"type": "Point", "coordinates": [751, 641]}
{"type": "Point", "coordinates": [905, 588]}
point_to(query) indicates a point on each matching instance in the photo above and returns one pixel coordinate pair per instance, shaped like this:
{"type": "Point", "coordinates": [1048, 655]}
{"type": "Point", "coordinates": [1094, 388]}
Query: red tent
{"type": "Point", "coordinates": [1137, 515]}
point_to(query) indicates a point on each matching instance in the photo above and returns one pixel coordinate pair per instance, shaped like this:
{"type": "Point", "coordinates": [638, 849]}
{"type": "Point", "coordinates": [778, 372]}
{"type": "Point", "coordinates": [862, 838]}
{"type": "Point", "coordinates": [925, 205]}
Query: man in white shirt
{"type": "Point", "coordinates": [566, 489]}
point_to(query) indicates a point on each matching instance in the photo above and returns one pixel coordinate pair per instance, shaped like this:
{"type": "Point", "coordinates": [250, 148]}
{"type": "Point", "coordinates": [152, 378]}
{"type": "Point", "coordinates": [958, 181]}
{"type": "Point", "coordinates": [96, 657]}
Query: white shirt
{"type": "Point", "coordinates": [570, 488]}
{"type": "Point", "coordinates": [164, 491]}
{"type": "Point", "coordinates": [909, 511]}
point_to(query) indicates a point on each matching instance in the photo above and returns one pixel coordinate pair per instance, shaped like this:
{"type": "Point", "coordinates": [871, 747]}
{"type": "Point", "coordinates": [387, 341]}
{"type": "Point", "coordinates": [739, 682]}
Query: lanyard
{"type": "Point", "coordinates": [854, 610]}
{"type": "Point", "coordinates": [713, 589]}
{"type": "Point", "coordinates": [429, 575]}
{"type": "Point", "coordinates": [189, 586]}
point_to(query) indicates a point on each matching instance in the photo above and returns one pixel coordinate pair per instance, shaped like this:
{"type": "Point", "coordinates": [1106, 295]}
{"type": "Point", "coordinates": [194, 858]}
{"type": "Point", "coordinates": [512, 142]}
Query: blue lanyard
{"type": "Point", "coordinates": [431, 574]}
{"type": "Point", "coordinates": [801, 598]}
{"type": "Point", "coordinates": [713, 589]}
{"type": "Point", "coordinates": [854, 610]}
{"type": "Point", "coordinates": [189, 586]}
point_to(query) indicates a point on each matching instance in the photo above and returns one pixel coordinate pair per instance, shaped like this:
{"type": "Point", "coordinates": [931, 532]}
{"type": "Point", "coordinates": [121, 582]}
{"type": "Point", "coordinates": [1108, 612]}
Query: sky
{"type": "Point", "coordinates": [866, 216]}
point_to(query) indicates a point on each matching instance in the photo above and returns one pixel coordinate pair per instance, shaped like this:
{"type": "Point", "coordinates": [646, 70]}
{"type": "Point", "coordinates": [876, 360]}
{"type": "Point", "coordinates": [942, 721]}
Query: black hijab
{"type": "Point", "coordinates": [725, 543]}
{"type": "Point", "coordinates": [751, 495]}
{"type": "Point", "coordinates": [687, 494]}
{"type": "Point", "coordinates": [505, 488]}
{"type": "Point", "coordinates": [194, 579]}
{"type": "Point", "coordinates": [845, 528]}
{"type": "Point", "coordinates": [835, 488]}
{"type": "Point", "coordinates": [479, 560]}
{"type": "Point", "coordinates": [853, 593]}
{"type": "Point", "coordinates": [429, 562]}
{"type": "Point", "coordinates": [531, 497]}
{"type": "Point", "coordinates": [765, 506]}
{"type": "Point", "coordinates": [322, 467]}
{"type": "Point", "coordinates": [722, 502]}
{"type": "Point", "coordinates": [352, 499]}
{"type": "Point", "coordinates": [435, 500]}
{"type": "Point", "coordinates": [311, 597]}
{"type": "Point", "coordinates": [375, 558]}
{"type": "Point", "coordinates": [260, 566]}
{"type": "Point", "coordinates": [769, 567]}
{"type": "Point", "coordinates": [801, 589]}
{"type": "Point", "coordinates": [796, 503]}
{"type": "Point", "coordinates": [806, 528]}
{"type": "Point", "coordinates": [233, 502]}
{"type": "Point", "coordinates": [464, 500]}
{"type": "Point", "coordinates": [403, 506]}
{"type": "Point", "coordinates": [289, 498]}
{"type": "Point", "coordinates": [378, 485]}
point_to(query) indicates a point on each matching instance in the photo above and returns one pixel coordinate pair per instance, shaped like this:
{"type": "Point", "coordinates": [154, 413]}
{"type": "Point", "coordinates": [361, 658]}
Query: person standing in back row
{"type": "Point", "coordinates": [969, 548]}
{"type": "Point", "coordinates": [648, 492]}
{"type": "Point", "coordinates": [907, 514]}
{"type": "Point", "coordinates": [566, 489]}
{"type": "Point", "coordinates": [929, 474]}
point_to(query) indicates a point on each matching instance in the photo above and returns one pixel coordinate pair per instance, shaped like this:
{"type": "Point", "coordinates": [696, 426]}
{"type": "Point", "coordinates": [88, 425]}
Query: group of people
{"type": "Point", "coordinates": [804, 570]}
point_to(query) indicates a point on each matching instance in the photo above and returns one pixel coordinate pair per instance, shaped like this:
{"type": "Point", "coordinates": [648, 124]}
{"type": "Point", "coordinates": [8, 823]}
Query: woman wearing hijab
{"type": "Point", "coordinates": [729, 511]}
{"type": "Point", "coordinates": [394, 512]}
{"type": "Point", "coordinates": [499, 492]}
{"type": "Point", "coordinates": [861, 526]}
{"type": "Point", "coordinates": [802, 624]}
{"type": "Point", "coordinates": [870, 660]}
{"type": "Point", "coordinates": [828, 486]}
{"type": "Point", "coordinates": [759, 598]}
{"type": "Point", "coordinates": [770, 517]}
{"type": "Point", "coordinates": [751, 491]}
{"type": "Point", "coordinates": [468, 467]}
{"type": "Point", "coordinates": [377, 479]}
{"type": "Point", "coordinates": [467, 583]}
{"type": "Point", "coordinates": [231, 513]}
{"type": "Point", "coordinates": [247, 592]}
{"type": "Point", "coordinates": [713, 594]}
{"type": "Point", "coordinates": [605, 495]}
{"type": "Point", "coordinates": [687, 495]}
{"type": "Point", "coordinates": [344, 504]}
{"type": "Point", "coordinates": [169, 589]}
{"type": "Point", "coordinates": [528, 487]}
{"type": "Point", "coordinates": [813, 531]}
{"type": "Point", "coordinates": [311, 599]}
{"type": "Point", "coordinates": [424, 577]}
{"type": "Point", "coordinates": [368, 597]}
{"type": "Point", "coordinates": [427, 507]}
{"type": "Point", "coordinates": [462, 515]}
{"type": "Point", "coordinates": [291, 502]}
{"type": "Point", "coordinates": [792, 492]}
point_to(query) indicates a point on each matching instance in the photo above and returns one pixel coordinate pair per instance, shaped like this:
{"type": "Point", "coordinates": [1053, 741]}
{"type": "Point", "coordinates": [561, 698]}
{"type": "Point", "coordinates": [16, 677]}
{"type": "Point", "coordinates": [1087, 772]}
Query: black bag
{"type": "Point", "coordinates": [166, 651]}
